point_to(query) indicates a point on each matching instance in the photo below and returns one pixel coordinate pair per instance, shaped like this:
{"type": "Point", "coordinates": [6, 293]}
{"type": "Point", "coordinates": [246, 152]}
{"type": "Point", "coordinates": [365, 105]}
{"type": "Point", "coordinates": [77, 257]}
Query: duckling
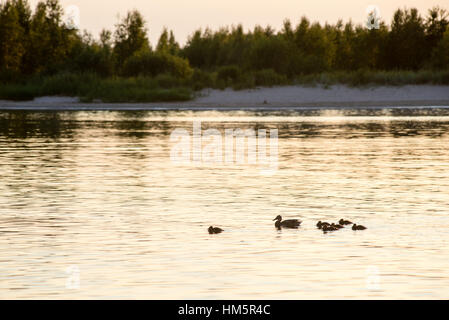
{"type": "Point", "coordinates": [214, 230]}
{"type": "Point", "coordinates": [328, 228]}
{"type": "Point", "coordinates": [344, 222]}
{"type": "Point", "coordinates": [291, 223]}
{"type": "Point", "coordinates": [320, 224]}
{"type": "Point", "coordinates": [358, 227]}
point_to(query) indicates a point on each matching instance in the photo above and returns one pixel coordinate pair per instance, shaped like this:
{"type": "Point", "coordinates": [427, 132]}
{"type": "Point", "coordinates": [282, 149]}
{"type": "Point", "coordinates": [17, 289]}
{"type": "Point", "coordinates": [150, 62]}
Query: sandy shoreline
{"type": "Point", "coordinates": [276, 98]}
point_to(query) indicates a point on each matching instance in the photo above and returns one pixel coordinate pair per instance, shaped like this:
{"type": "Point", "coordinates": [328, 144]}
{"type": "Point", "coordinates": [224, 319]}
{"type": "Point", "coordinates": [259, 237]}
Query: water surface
{"type": "Point", "coordinates": [96, 192]}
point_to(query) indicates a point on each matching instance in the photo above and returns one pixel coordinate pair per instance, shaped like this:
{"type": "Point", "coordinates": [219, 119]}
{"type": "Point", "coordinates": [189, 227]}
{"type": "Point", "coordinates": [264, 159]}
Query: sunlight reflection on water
{"type": "Point", "coordinates": [96, 192]}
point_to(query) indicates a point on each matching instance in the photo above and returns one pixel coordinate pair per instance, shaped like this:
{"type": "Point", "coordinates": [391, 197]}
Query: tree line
{"type": "Point", "coordinates": [40, 42]}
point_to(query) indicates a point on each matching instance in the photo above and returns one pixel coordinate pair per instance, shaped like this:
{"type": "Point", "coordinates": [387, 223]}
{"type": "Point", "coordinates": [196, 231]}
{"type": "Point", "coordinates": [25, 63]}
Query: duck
{"type": "Point", "coordinates": [214, 230]}
{"type": "Point", "coordinates": [358, 227]}
{"type": "Point", "coordinates": [291, 223]}
{"type": "Point", "coordinates": [321, 224]}
{"type": "Point", "coordinates": [344, 222]}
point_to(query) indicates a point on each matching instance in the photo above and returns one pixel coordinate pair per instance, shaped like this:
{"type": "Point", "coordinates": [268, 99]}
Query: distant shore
{"type": "Point", "coordinates": [274, 98]}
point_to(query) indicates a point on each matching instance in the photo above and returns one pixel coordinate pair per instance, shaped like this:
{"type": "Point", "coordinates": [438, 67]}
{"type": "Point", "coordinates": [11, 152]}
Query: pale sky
{"type": "Point", "coordinates": [185, 16]}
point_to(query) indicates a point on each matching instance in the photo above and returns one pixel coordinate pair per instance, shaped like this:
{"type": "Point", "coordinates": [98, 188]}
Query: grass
{"type": "Point", "coordinates": [226, 78]}
{"type": "Point", "coordinates": [373, 78]}
{"type": "Point", "coordinates": [90, 87]}
{"type": "Point", "coordinates": [165, 87]}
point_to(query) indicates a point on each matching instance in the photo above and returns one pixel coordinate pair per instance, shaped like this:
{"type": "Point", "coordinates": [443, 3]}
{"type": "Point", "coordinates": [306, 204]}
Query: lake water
{"type": "Point", "coordinates": [92, 206]}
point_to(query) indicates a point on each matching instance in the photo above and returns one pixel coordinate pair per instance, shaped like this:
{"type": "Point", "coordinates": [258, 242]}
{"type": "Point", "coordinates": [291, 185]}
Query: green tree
{"type": "Point", "coordinates": [234, 46]}
{"type": "Point", "coordinates": [436, 24]}
{"type": "Point", "coordinates": [268, 52]}
{"type": "Point", "coordinates": [14, 30]}
{"type": "Point", "coordinates": [203, 48]}
{"type": "Point", "coordinates": [50, 40]}
{"type": "Point", "coordinates": [343, 39]}
{"type": "Point", "coordinates": [130, 36]}
{"type": "Point", "coordinates": [440, 55]}
{"type": "Point", "coordinates": [88, 55]}
{"type": "Point", "coordinates": [167, 43]}
{"type": "Point", "coordinates": [406, 44]}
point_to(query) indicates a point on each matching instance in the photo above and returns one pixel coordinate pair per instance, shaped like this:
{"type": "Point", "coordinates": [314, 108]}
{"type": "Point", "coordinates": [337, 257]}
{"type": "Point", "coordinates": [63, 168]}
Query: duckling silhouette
{"type": "Point", "coordinates": [214, 230]}
{"type": "Point", "coordinates": [321, 224]}
{"type": "Point", "coordinates": [344, 222]}
{"type": "Point", "coordinates": [291, 223]}
{"type": "Point", "coordinates": [328, 228]}
{"type": "Point", "coordinates": [358, 227]}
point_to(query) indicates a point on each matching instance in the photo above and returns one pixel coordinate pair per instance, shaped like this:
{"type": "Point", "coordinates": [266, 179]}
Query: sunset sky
{"type": "Point", "coordinates": [183, 16]}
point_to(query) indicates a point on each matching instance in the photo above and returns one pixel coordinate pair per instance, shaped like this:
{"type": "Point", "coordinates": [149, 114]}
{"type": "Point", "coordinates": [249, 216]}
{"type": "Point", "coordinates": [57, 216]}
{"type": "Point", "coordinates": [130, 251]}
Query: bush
{"type": "Point", "coordinates": [167, 81]}
{"type": "Point", "coordinates": [245, 81]}
{"type": "Point", "coordinates": [90, 86]}
{"type": "Point", "coordinates": [139, 89]}
{"type": "Point", "coordinates": [19, 92]}
{"type": "Point", "coordinates": [360, 77]}
{"type": "Point", "coordinates": [268, 77]}
{"type": "Point", "coordinates": [228, 74]}
{"type": "Point", "coordinates": [8, 76]}
{"type": "Point", "coordinates": [202, 79]}
{"type": "Point", "coordinates": [92, 59]}
{"type": "Point", "coordinates": [147, 63]}
{"type": "Point", "coordinates": [71, 84]}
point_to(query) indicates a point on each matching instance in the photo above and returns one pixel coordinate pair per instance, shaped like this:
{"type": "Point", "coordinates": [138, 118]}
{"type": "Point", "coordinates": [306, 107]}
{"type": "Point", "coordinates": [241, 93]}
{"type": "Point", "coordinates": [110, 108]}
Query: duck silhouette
{"type": "Point", "coordinates": [358, 227]}
{"type": "Point", "coordinates": [214, 230]}
{"type": "Point", "coordinates": [290, 223]}
{"type": "Point", "coordinates": [344, 222]}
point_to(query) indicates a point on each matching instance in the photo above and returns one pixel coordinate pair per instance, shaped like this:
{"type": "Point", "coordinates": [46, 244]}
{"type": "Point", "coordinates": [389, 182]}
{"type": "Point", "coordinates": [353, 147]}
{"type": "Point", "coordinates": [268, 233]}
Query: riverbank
{"type": "Point", "coordinates": [274, 98]}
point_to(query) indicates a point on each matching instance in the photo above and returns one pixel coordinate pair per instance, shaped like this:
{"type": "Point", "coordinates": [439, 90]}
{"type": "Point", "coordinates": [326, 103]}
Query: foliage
{"type": "Point", "coordinates": [148, 63]}
{"type": "Point", "coordinates": [130, 36]}
{"type": "Point", "coordinates": [37, 44]}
